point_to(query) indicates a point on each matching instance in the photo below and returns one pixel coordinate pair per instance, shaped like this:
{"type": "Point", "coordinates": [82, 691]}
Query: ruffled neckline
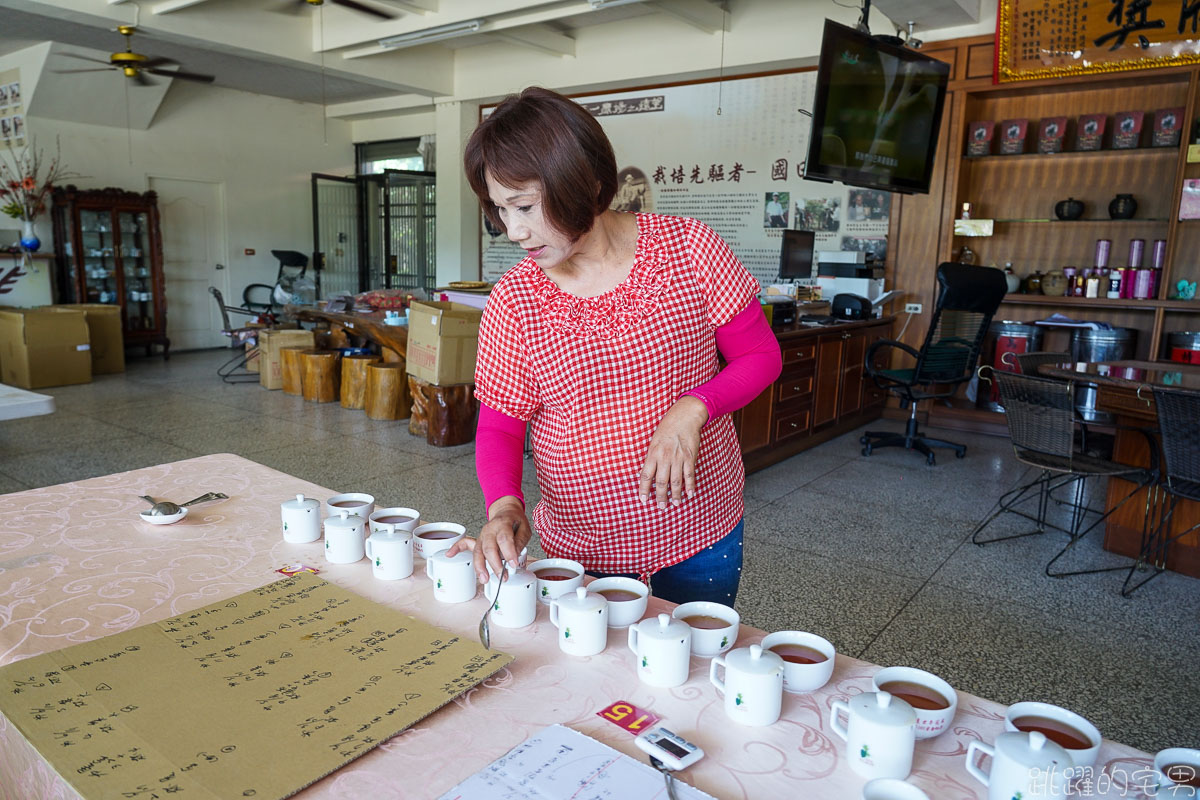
{"type": "Point", "coordinates": [610, 315]}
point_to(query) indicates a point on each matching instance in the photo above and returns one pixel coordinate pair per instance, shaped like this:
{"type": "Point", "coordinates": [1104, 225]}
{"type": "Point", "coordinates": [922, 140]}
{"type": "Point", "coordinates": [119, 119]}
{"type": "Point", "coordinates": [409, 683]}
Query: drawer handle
{"type": "Point", "coordinates": [795, 388]}
{"type": "Point", "coordinates": [794, 425]}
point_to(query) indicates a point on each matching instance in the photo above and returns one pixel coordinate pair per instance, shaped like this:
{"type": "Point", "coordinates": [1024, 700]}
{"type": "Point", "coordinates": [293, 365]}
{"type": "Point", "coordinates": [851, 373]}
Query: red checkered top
{"type": "Point", "coordinates": [593, 376]}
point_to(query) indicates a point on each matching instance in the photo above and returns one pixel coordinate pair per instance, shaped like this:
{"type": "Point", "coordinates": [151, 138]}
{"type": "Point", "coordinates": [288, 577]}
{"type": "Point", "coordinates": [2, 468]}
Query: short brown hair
{"type": "Point", "coordinates": [539, 135]}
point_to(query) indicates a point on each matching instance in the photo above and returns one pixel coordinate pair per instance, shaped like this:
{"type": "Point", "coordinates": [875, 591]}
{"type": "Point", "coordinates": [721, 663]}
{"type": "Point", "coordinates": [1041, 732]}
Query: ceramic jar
{"type": "Point", "coordinates": [1025, 765]}
{"type": "Point", "coordinates": [301, 519]}
{"type": "Point", "coordinates": [1069, 209]}
{"type": "Point", "coordinates": [344, 538]}
{"type": "Point", "coordinates": [1033, 283]}
{"type": "Point", "coordinates": [514, 600]}
{"type": "Point", "coordinates": [582, 622]}
{"type": "Point", "coordinates": [1123, 206]}
{"type": "Point", "coordinates": [1054, 283]}
{"type": "Point", "coordinates": [663, 647]}
{"type": "Point", "coordinates": [1011, 281]}
{"type": "Point", "coordinates": [880, 734]}
{"type": "Point", "coordinates": [753, 684]}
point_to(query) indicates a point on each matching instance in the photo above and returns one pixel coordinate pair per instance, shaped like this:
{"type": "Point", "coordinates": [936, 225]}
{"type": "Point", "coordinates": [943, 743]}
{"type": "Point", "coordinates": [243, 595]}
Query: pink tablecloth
{"type": "Point", "coordinates": [76, 564]}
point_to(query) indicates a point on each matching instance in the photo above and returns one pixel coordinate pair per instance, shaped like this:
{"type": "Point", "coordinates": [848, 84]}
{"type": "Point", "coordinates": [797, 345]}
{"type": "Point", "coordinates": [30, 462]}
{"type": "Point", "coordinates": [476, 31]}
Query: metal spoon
{"type": "Point", "coordinates": [485, 633]}
{"type": "Point", "coordinates": [166, 508]}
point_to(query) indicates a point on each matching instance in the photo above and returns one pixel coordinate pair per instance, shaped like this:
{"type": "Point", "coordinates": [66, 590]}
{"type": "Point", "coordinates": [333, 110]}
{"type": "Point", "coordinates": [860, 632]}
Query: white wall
{"type": "Point", "coordinates": [262, 149]}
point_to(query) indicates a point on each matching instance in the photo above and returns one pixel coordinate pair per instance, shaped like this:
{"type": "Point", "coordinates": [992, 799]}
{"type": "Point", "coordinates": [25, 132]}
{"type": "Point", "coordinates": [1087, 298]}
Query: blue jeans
{"type": "Point", "coordinates": [712, 574]}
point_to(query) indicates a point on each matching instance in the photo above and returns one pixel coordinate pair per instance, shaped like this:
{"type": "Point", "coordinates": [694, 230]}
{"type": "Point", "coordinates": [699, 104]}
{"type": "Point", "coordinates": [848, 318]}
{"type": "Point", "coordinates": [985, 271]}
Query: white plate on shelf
{"type": "Point", "coordinates": [164, 519]}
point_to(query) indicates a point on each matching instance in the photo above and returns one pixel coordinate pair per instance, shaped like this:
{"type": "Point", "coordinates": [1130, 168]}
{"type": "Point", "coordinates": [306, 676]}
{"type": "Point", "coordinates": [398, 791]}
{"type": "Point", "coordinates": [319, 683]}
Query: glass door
{"type": "Point", "coordinates": [101, 283]}
{"type": "Point", "coordinates": [135, 264]}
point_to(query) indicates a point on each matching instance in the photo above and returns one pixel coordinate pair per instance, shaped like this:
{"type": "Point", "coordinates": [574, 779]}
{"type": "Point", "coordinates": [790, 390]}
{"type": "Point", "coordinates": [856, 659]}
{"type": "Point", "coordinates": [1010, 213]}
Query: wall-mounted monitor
{"type": "Point", "coordinates": [876, 114]}
{"type": "Point", "coordinates": [796, 255]}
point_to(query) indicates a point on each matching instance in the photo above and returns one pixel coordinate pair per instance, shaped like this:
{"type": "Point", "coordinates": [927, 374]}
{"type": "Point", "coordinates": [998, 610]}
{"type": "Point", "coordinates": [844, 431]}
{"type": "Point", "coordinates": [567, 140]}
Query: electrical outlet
{"type": "Point", "coordinates": [912, 308]}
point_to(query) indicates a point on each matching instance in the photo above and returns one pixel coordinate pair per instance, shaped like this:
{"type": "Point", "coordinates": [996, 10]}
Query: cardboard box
{"type": "Point", "coordinates": [252, 359]}
{"type": "Point", "coordinates": [1013, 133]}
{"type": "Point", "coordinates": [1127, 130]}
{"type": "Point", "coordinates": [44, 347]}
{"type": "Point", "coordinates": [443, 340]}
{"type": "Point", "coordinates": [270, 372]}
{"type": "Point", "coordinates": [1052, 131]}
{"type": "Point", "coordinates": [979, 138]}
{"type": "Point", "coordinates": [1089, 131]}
{"type": "Point", "coordinates": [107, 338]}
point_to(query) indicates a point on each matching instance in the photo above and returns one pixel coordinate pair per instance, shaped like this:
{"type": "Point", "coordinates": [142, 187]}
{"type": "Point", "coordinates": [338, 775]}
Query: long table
{"type": "Point", "coordinates": [365, 323]}
{"type": "Point", "coordinates": [76, 564]}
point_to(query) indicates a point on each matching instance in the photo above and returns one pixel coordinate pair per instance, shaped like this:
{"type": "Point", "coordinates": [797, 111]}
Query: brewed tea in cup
{"type": "Point", "coordinates": [1079, 737]}
{"type": "Point", "coordinates": [1177, 773]}
{"type": "Point", "coordinates": [626, 598]}
{"type": "Point", "coordinates": [934, 700]}
{"type": "Point", "coordinates": [435, 537]}
{"type": "Point", "coordinates": [556, 577]}
{"type": "Point", "coordinates": [357, 504]}
{"type": "Point", "coordinates": [714, 626]}
{"type": "Point", "coordinates": [404, 519]}
{"type": "Point", "coordinates": [808, 659]}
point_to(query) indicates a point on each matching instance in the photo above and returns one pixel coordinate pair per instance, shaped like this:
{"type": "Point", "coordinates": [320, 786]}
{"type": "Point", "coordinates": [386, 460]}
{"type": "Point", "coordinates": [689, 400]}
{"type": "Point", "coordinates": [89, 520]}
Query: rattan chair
{"type": "Point", "coordinates": [1179, 422]}
{"type": "Point", "coordinates": [1041, 422]}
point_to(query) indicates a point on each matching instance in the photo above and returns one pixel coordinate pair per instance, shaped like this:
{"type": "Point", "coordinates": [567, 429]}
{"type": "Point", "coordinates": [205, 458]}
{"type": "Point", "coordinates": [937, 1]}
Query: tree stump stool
{"type": "Point", "coordinates": [387, 396]}
{"type": "Point", "coordinates": [320, 376]}
{"type": "Point", "coordinates": [354, 380]}
{"type": "Point", "coordinates": [290, 367]}
{"type": "Point", "coordinates": [446, 413]}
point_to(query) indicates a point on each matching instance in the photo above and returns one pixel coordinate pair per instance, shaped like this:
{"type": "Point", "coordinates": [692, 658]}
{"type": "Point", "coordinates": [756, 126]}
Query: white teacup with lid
{"type": "Point", "coordinates": [663, 647]}
{"type": "Point", "coordinates": [453, 576]}
{"type": "Point", "coordinates": [1025, 765]}
{"type": "Point", "coordinates": [582, 622]}
{"type": "Point", "coordinates": [391, 553]}
{"type": "Point", "coordinates": [301, 519]}
{"type": "Point", "coordinates": [753, 684]}
{"type": "Point", "coordinates": [344, 538]}
{"type": "Point", "coordinates": [516, 604]}
{"type": "Point", "coordinates": [880, 734]}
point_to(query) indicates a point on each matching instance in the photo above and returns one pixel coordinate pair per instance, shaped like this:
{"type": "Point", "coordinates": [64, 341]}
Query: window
{"type": "Point", "coordinates": [373, 158]}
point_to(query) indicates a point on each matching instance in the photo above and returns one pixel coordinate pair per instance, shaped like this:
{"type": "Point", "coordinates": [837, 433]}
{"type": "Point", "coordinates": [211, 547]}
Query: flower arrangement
{"type": "Point", "coordinates": [26, 180]}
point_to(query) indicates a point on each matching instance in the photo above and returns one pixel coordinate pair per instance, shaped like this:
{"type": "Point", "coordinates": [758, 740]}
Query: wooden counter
{"type": "Point", "coordinates": [822, 392]}
{"type": "Point", "coordinates": [1124, 388]}
{"type": "Point", "coordinates": [368, 323]}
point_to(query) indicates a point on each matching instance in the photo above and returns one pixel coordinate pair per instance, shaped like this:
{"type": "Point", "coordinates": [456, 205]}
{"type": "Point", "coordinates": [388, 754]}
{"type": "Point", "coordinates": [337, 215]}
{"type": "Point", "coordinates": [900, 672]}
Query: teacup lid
{"type": "Point", "coordinates": [344, 521]}
{"type": "Point", "coordinates": [461, 557]}
{"type": "Point", "coordinates": [301, 503]}
{"type": "Point", "coordinates": [884, 709]}
{"type": "Point", "coordinates": [390, 534]}
{"type": "Point", "coordinates": [516, 575]}
{"type": "Point", "coordinates": [582, 600]}
{"type": "Point", "coordinates": [1032, 749]}
{"type": "Point", "coordinates": [664, 626]}
{"type": "Point", "coordinates": [754, 660]}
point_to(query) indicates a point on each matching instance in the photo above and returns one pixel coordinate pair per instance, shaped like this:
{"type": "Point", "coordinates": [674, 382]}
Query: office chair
{"type": "Point", "coordinates": [259, 298]}
{"type": "Point", "coordinates": [968, 297]}
{"type": "Point", "coordinates": [1179, 423]}
{"type": "Point", "coordinates": [234, 370]}
{"type": "Point", "coordinates": [1040, 413]}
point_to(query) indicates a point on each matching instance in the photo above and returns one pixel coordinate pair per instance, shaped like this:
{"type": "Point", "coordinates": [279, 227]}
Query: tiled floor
{"type": "Point", "coordinates": [872, 553]}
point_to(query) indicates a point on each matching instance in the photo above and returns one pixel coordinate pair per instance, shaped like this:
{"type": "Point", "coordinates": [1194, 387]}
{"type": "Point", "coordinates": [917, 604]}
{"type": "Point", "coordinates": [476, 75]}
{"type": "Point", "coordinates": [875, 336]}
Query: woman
{"type": "Point", "coordinates": [604, 341]}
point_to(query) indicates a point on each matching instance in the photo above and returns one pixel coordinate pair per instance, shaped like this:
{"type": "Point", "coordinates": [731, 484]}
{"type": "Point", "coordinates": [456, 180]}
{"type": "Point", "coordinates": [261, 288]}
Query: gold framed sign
{"type": "Point", "coordinates": [1057, 38]}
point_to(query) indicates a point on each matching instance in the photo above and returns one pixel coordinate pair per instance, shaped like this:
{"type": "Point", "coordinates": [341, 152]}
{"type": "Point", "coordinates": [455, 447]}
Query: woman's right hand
{"type": "Point", "coordinates": [504, 536]}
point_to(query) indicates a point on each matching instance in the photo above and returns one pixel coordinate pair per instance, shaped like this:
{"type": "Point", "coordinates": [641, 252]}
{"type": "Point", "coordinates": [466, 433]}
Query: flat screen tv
{"type": "Point", "coordinates": [876, 114]}
{"type": "Point", "coordinates": [796, 255]}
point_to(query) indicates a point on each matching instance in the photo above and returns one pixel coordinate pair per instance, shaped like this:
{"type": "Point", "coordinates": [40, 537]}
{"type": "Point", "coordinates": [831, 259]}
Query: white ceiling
{"type": "Point", "coordinates": [274, 47]}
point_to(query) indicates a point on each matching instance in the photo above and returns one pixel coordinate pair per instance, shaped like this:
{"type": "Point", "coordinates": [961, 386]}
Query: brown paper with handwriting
{"type": "Point", "coordinates": [255, 696]}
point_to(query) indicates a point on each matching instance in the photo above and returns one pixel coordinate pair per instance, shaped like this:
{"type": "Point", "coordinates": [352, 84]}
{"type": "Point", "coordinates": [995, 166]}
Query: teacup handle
{"type": "Point", "coordinates": [369, 553]}
{"type": "Point", "coordinates": [633, 639]}
{"type": "Point", "coordinates": [429, 568]}
{"type": "Point", "coordinates": [974, 747]}
{"type": "Point", "coordinates": [712, 674]}
{"type": "Point", "coordinates": [835, 722]}
{"type": "Point", "coordinates": [554, 613]}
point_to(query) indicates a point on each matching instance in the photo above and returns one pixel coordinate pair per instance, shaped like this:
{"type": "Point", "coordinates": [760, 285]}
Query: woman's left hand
{"type": "Point", "coordinates": [669, 473]}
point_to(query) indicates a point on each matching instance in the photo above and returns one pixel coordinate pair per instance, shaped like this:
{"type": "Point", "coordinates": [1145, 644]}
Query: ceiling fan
{"type": "Point", "coordinates": [353, 5]}
{"type": "Point", "coordinates": [135, 65]}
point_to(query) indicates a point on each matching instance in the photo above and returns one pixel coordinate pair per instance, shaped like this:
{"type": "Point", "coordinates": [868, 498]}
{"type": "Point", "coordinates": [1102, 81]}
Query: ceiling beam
{"type": "Point", "coordinates": [539, 37]}
{"type": "Point", "coordinates": [416, 6]}
{"type": "Point", "coordinates": [174, 5]}
{"type": "Point", "coordinates": [380, 107]}
{"type": "Point", "coordinates": [701, 14]}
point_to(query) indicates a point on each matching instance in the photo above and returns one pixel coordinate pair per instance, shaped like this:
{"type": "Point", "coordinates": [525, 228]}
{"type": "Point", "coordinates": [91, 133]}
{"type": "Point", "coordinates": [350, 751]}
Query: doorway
{"type": "Point", "coordinates": [194, 252]}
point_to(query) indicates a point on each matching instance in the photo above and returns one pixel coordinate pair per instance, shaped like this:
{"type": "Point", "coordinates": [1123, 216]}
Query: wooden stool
{"type": "Point", "coordinates": [354, 380]}
{"type": "Point", "coordinates": [290, 368]}
{"type": "Point", "coordinates": [387, 397]}
{"type": "Point", "coordinates": [447, 412]}
{"type": "Point", "coordinates": [320, 376]}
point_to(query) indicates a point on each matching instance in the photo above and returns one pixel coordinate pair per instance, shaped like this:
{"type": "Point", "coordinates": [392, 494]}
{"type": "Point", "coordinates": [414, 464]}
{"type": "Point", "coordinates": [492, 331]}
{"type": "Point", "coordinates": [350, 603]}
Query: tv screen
{"type": "Point", "coordinates": [877, 113]}
{"type": "Point", "coordinates": [796, 255]}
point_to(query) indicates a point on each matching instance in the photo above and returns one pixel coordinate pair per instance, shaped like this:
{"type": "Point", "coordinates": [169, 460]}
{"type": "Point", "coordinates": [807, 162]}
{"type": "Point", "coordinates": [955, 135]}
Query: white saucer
{"type": "Point", "coordinates": [164, 519]}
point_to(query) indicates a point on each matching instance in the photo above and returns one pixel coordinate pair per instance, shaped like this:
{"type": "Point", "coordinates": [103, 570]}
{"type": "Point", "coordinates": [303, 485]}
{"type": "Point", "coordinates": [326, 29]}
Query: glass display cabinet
{"type": "Point", "coordinates": [109, 250]}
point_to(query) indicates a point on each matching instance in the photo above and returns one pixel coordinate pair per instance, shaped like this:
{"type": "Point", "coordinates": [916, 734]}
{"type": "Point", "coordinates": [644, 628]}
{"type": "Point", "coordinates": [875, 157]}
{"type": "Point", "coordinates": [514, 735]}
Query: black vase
{"type": "Point", "coordinates": [1068, 209]}
{"type": "Point", "coordinates": [1123, 206]}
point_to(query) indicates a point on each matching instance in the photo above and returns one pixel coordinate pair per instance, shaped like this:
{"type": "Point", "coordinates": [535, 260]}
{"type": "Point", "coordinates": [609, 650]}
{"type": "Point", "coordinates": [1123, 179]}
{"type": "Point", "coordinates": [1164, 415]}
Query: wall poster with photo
{"type": "Point", "coordinates": [12, 110]}
{"type": "Point", "coordinates": [739, 172]}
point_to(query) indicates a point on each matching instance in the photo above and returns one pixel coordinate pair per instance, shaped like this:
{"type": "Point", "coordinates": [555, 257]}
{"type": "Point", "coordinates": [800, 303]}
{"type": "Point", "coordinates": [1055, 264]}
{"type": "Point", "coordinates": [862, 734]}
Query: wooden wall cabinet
{"type": "Point", "coordinates": [822, 392]}
{"type": "Point", "coordinates": [108, 247]}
